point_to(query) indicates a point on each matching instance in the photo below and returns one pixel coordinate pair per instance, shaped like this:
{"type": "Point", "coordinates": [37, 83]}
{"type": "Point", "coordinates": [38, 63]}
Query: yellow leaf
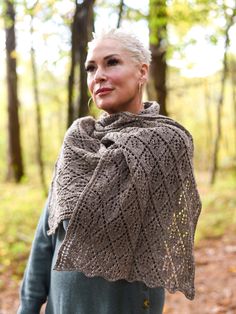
{"type": "Point", "coordinates": [13, 54]}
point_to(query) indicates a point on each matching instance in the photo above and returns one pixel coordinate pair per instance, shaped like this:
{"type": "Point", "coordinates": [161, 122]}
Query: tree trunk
{"type": "Point", "coordinates": [158, 37]}
{"type": "Point", "coordinates": [121, 8]}
{"type": "Point", "coordinates": [209, 135]}
{"type": "Point", "coordinates": [70, 112]}
{"type": "Point", "coordinates": [215, 161]}
{"type": "Point", "coordinates": [82, 28]}
{"type": "Point", "coordinates": [15, 163]}
{"type": "Point", "coordinates": [233, 80]}
{"type": "Point", "coordinates": [70, 109]}
{"type": "Point", "coordinates": [38, 113]}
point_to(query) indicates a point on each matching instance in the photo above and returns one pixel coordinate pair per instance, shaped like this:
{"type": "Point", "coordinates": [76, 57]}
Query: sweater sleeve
{"type": "Point", "coordinates": [36, 281]}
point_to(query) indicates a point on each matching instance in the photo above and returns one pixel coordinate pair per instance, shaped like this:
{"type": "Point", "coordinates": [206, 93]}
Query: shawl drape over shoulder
{"type": "Point", "coordinates": [126, 184]}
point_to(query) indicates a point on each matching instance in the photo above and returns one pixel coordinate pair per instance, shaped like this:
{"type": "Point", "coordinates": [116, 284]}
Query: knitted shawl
{"type": "Point", "coordinates": [126, 184]}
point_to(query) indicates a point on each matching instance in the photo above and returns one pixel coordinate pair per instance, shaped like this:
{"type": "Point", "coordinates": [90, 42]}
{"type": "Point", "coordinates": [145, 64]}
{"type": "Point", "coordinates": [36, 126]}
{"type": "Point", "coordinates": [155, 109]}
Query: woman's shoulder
{"type": "Point", "coordinates": [169, 125]}
{"type": "Point", "coordinates": [161, 126]}
{"type": "Point", "coordinates": [164, 131]}
{"type": "Point", "coordinates": [85, 123]}
{"type": "Point", "coordinates": [87, 120]}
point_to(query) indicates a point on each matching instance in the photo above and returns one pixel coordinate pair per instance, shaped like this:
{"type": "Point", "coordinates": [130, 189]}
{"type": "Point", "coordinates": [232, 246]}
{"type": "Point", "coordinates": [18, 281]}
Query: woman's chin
{"type": "Point", "coordinates": [108, 107]}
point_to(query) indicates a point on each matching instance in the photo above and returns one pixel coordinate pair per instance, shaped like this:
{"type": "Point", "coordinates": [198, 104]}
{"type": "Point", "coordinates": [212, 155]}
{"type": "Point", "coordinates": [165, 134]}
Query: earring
{"type": "Point", "coordinates": [140, 85]}
{"type": "Point", "coordinates": [89, 102]}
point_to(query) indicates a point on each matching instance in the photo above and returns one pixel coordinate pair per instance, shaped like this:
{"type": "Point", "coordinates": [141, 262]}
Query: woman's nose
{"type": "Point", "coordinates": [100, 75]}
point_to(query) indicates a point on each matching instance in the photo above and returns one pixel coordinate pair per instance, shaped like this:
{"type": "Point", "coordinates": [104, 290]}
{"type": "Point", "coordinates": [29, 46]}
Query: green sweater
{"type": "Point", "coordinates": [72, 292]}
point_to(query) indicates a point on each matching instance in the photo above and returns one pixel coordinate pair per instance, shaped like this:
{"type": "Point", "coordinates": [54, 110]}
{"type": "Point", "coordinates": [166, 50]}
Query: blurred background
{"type": "Point", "coordinates": [43, 46]}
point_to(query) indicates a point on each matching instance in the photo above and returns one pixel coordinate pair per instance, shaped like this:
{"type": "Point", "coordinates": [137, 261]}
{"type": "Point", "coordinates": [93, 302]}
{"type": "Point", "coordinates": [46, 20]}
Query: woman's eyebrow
{"type": "Point", "coordinates": [105, 58]}
{"type": "Point", "coordinates": [112, 55]}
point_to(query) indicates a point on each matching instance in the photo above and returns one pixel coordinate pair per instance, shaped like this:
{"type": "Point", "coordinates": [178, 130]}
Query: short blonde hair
{"type": "Point", "coordinates": [128, 40]}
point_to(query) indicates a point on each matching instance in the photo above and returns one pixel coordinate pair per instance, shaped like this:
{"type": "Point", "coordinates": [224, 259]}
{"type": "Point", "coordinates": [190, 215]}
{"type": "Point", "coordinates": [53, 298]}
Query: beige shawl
{"type": "Point", "coordinates": [126, 184]}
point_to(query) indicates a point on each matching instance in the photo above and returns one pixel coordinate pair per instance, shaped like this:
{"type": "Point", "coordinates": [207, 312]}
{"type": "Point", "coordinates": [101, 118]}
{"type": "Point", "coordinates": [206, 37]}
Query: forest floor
{"type": "Point", "coordinates": [215, 282]}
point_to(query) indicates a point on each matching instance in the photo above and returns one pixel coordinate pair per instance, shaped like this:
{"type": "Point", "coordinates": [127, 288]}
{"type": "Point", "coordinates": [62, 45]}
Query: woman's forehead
{"type": "Point", "coordinates": [104, 48]}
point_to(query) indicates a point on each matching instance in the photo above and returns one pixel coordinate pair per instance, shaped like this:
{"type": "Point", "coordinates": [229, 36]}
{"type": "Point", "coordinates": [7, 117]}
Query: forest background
{"type": "Point", "coordinates": [43, 89]}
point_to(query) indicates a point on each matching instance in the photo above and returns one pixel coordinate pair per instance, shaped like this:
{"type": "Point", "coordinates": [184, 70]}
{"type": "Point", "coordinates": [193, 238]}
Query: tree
{"type": "Point", "coordinates": [121, 9]}
{"type": "Point", "coordinates": [81, 33]}
{"type": "Point", "coordinates": [230, 20]}
{"type": "Point", "coordinates": [233, 80]}
{"type": "Point", "coordinates": [39, 146]}
{"type": "Point", "coordinates": [15, 163]}
{"type": "Point", "coordinates": [209, 12]}
{"type": "Point", "coordinates": [158, 47]}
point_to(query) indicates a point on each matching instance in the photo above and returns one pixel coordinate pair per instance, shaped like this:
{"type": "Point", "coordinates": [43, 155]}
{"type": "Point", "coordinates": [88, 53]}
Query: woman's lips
{"type": "Point", "coordinates": [103, 91]}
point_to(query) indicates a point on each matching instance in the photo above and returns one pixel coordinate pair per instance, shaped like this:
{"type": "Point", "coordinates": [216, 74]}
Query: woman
{"type": "Point", "coordinates": [119, 223]}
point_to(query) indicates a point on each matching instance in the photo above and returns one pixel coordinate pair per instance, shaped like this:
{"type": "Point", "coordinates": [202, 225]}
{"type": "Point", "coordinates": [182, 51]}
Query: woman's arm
{"type": "Point", "coordinates": [36, 281]}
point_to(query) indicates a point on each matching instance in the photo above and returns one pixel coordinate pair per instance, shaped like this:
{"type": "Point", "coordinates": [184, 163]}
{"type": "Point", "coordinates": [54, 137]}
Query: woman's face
{"type": "Point", "coordinates": [114, 78]}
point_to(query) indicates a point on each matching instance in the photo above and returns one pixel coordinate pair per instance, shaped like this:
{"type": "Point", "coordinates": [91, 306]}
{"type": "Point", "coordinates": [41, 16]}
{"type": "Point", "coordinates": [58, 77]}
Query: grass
{"type": "Point", "coordinates": [218, 206]}
{"type": "Point", "coordinates": [20, 207]}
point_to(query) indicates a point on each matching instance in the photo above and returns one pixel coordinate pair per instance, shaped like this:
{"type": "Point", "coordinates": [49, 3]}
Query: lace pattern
{"type": "Point", "coordinates": [126, 184]}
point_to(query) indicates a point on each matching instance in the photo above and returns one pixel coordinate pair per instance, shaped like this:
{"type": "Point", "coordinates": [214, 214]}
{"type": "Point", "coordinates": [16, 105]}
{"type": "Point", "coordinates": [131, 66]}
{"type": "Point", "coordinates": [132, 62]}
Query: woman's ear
{"type": "Point", "coordinates": [144, 73]}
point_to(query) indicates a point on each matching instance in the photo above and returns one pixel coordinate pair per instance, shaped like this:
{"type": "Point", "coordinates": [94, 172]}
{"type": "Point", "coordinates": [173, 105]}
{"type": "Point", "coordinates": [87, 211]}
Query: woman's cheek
{"type": "Point", "coordinates": [90, 85]}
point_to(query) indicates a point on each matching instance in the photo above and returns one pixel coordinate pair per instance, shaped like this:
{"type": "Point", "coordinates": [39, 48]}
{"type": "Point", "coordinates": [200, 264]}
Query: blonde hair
{"type": "Point", "coordinates": [128, 40]}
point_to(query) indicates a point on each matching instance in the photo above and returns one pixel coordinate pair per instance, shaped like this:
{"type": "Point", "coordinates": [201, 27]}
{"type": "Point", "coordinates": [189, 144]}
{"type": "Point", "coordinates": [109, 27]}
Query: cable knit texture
{"type": "Point", "coordinates": [126, 184]}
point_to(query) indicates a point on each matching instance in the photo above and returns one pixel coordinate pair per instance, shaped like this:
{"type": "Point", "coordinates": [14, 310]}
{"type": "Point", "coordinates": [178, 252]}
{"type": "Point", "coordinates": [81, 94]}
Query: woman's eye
{"type": "Point", "coordinates": [112, 62]}
{"type": "Point", "coordinates": [90, 68]}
